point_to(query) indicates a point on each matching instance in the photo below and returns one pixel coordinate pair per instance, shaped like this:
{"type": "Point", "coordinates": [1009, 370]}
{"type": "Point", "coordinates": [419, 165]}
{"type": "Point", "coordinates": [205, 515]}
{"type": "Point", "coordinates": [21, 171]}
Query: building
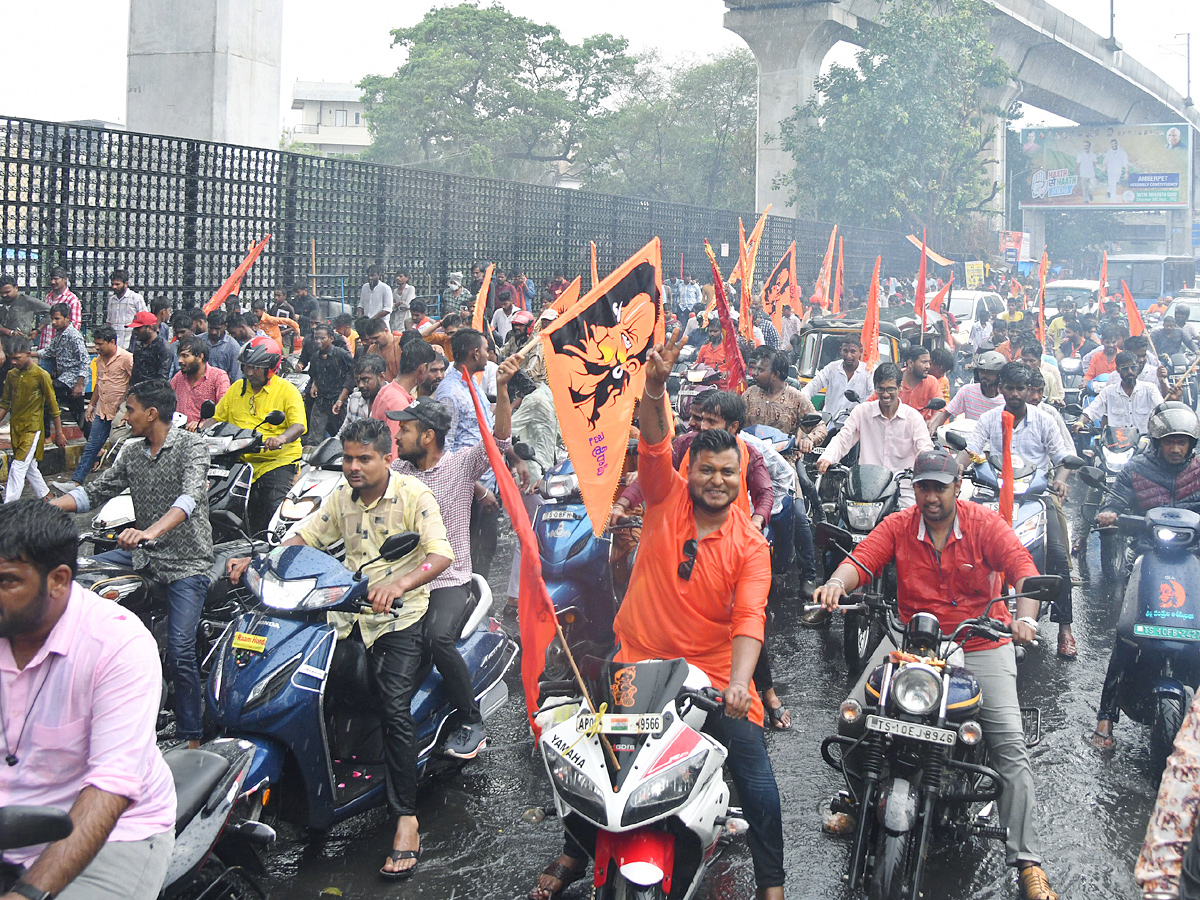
{"type": "Point", "coordinates": [331, 117]}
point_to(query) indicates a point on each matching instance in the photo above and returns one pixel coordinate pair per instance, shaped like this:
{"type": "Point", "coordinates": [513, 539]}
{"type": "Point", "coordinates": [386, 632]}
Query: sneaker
{"type": "Point", "coordinates": [64, 487]}
{"type": "Point", "coordinates": [466, 742]}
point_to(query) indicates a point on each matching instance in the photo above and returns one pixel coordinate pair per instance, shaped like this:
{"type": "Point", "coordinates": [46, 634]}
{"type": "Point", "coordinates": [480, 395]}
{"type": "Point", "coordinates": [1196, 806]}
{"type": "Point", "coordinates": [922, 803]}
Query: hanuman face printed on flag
{"type": "Point", "coordinates": [608, 342]}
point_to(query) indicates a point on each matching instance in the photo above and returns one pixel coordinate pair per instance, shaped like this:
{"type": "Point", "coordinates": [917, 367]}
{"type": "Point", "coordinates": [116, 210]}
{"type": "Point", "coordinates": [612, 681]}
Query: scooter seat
{"type": "Point", "coordinates": [196, 773]}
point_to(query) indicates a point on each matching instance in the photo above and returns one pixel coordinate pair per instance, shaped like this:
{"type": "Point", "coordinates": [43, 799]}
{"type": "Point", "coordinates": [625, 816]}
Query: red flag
{"type": "Point", "coordinates": [745, 322]}
{"type": "Point", "coordinates": [1006, 475]}
{"type": "Point", "coordinates": [1104, 278]}
{"type": "Point", "coordinates": [1136, 325]}
{"type": "Point", "coordinates": [935, 306]}
{"type": "Point", "coordinates": [870, 332]}
{"type": "Point", "coordinates": [780, 288]}
{"type": "Point", "coordinates": [481, 299]}
{"type": "Point", "coordinates": [820, 295]}
{"type": "Point", "coordinates": [234, 282]}
{"type": "Point", "coordinates": [836, 306]}
{"type": "Point", "coordinates": [736, 367]}
{"type": "Point", "coordinates": [922, 275]}
{"type": "Point", "coordinates": [539, 625]}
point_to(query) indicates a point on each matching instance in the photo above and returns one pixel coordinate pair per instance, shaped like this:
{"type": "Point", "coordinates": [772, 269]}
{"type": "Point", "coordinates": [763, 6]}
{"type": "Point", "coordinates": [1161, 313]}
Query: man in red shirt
{"type": "Point", "coordinates": [699, 592]}
{"type": "Point", "coordinates": [917, 386]}
{"type": "Point", "coordinates": [951, 558]}
{"type": "Point", "coordinates": [712, 352]}
{"type": "Point", "coordinates": [1104, 360]}
{"type": "Point", "coordinates": [196, 381]}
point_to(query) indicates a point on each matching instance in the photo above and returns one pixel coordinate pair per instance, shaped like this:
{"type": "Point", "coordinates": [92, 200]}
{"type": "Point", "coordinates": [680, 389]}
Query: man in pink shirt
{"type": "Point", "coordinates": [80, 682]}
{"type": "Point", "coordinates": [415, 358]}
{"type": "Point", "coordinates": [196, 381]}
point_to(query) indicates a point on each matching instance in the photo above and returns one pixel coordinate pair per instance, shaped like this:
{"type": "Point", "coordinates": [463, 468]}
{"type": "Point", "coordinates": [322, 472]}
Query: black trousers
{"type": "Point", "coordinates": [446, 608]}
{"type": "Point", "coordinates": [74, 405]}
{"type": "Point", "coordinates": [267, 495]}
{"type": "Point", "coordinates": [485, 530]}
{"type": "Point", "coordinates": [395, 667]}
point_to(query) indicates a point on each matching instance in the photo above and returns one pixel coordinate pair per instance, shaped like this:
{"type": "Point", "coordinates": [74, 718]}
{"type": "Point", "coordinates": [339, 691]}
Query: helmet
{"type": "Point", "coordinates": [522, 317]}
{"type": "Point", "coordinates": [262, 351]}
{"type": "Point", "coordinates": [1175, 418]}
{"type": "Point", "coordinates": [989, 361]}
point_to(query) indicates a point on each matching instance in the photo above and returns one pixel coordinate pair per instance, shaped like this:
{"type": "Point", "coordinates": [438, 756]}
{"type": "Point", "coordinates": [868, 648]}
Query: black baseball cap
{"type": "Point", "coordinates": [429, 413]}
{"type": "Point", "coordinates": [933, 465]}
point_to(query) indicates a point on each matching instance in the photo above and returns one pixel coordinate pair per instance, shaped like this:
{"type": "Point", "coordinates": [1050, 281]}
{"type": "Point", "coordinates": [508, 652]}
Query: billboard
{"type": "Point", "coordinates": [1015, 246]}
{"type": "Point", "coordinates": [1107, 167]}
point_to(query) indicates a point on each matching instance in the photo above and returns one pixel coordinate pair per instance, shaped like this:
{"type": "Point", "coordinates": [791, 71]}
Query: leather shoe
{"type": "Point", "coordinates": [1066, 645]}
{"type": "Point", "coordinates": [817, 618]}
{"type": "Point", "coordinates": [807, 588]}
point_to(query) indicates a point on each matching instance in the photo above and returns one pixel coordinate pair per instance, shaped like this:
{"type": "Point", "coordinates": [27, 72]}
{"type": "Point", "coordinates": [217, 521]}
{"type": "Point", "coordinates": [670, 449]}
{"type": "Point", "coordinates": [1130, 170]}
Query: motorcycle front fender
{"type": "Point", "coordinates": [645, 856]}
{"type": "Point", "coordinates": [898, 806]}
{"type": "Point", "coordinates": [267, 767]}
{"type": "Point", "coordinates": [1171, 688]}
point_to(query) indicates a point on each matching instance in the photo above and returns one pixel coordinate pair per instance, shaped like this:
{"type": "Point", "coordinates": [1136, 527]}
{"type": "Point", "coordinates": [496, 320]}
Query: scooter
{"type": "Point", "coordinates": [1111, 448]}
{"type": "Point", "coordinates": [285, 682]}
{"type": "Point", "coordinates": [229, 476]}
{"type": "Point", "coordinates": [698, 379]}
{"type": "Point", "coordinates": [319, 476]}
{"type": "Point", "coordinates": [654, 824]}
{"type": "Point", "coordinates": [678, 376]}
{"type": "Point", "coordinates": [1071, 369]}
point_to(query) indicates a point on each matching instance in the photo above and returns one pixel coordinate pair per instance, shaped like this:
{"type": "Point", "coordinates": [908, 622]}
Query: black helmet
{"type": "Point", "coordinates": [1173, 418]}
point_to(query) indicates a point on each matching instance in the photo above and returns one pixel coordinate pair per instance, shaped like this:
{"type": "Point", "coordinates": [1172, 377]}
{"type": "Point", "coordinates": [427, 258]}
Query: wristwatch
{"type": "Point", "coordinates": [25, 889]}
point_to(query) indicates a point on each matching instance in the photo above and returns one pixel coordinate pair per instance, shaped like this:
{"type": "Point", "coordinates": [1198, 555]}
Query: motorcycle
{"type": "Point", "coordinates": [229, 476]}
{"type": "Point", "coordinates": [1112, 448]}
{"type": "Point", "coordinates": [320, 475]}
{"type": "Point", "coordinates": [913, 754]}
{"type": "Point", "coordinates": [697, 379]}
{"type": "Point", "coordinates": [1071, 369]}
{"type": "Point", "coordinates": [285, 682]}
{"type": "Point", "coordinates": [654, 819]}
{"type": "Point", "coordinates": [678, 376]}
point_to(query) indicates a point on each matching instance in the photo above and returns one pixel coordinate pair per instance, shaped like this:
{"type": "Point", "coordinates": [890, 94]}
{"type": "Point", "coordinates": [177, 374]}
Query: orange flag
{"type": "Point", "coordinates": [1043, 267]}
{"type": "Point", "coordinates": [735, 367]}
{"type": "Point", "coordinates": [1104, 278]}
{"type": "Point", "coordinates": [780, 288]}
{"type": "Point", "coordinates": [595, 268]}
{"type": "Point", "coordinates": [535, 609]}
{"type": "Point", "coordinates": [1136, 325]}
{"type": "Point", "coordinates": [870, 332]}
{"type": "Point", "coordinates": [569, 297]}
{"type": "Point", "coordinates": [234, 282]}
{"type": "Point", "coordinates": [836, 306]}
{"type": "Point", "coordinates": [820, 295]}
{"type": "Point", "coordinates": [935, 305]}
{"type": "Point", "coordinates": [922, 275]}
{"type": "Point", "coordinates": [595, 356]}
{"type": "Point", "coordinates": [1006, 474]}
{"type": "Point", "coordinates": [481, 299]}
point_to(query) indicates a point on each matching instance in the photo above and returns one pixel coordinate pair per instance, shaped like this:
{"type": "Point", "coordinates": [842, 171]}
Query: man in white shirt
{"type": "Point", "coordinates": [402, 295]}
{"type": "Point", "coordinates": [1116, 163]}
{"type": "Point", "coordinates": [1085, 169]}
{"type": "Point", "coordinates": [1127, 404]}
{"type": "Point", "coordinates": [503, 316]}
{"type": "Point", "coordinates": [981, 329]}
{"type": "Point", "coordinates": [375, 301]}
{"type": "Point", "coordinates": [124, 303]}
{"type": "Point", "coordinates": [848, 373]}
{"type": "Point", "coordinates": [791, 326]}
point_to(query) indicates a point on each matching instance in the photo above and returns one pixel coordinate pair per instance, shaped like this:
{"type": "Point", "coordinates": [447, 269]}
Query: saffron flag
{"type": "Point", "coordinates": [569, 297]}
{"type": "Point", "coordinates": [922, 275]}
{"type": "Point", "coordinates": [935, 306]}
{"type": "Point", "coordinates": [595, 356]}
{"type": "Point", "coordinates": [539, 624]}
{"type": "Point", "coordinates": [745, 324]}
{"type": "Point", "coordinates": [595, 267]}
{"type": "Point", "coordinates": [820, 295]}
{"type": "Point", "coordinates": [1043, 267]}
{"type": "Point", "coordinates": [481, 299]}
{"type": "Point", "coordinates": [780, 288]}
{"type": "Point", "coordinates": [233, 283]}
{"type": "Point", "coordinates": [1136, 325]}
{"type": "Point", "coordinates": [836, 305]}
{"type": "Point", "coordinates": [1006, 474]}
{"type": "Point", "coordinates": [1104, 279]}
{"type": "Point", "coordinates": [735, 367]}
{"type": "Point", "coordinates": [870, 332]}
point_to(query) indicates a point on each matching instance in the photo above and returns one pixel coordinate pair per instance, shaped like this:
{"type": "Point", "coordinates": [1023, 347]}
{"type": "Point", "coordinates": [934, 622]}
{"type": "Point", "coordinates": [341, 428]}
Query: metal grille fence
{"type": "Point", "coordinates": [180, 214]}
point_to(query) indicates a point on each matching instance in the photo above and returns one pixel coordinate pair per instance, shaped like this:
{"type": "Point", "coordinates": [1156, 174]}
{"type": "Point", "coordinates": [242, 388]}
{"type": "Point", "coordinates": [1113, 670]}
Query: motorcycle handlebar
{"type": "Point", "coordinates": [366, 608]}
{"type": "Point", "coordinates": [708, 699]}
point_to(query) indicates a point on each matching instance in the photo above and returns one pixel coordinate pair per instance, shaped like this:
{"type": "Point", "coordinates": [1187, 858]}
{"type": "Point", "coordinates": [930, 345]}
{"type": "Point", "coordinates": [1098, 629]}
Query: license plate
{"type": "Point", "coordinates": [217, 473]}
{"type": "Point", "coordinates": [857, 538]}
{"type": "Point", "coordinates": [912, 730]}
{"type": "Point", "coordinates": [610, 724]}
{"type": "Point", "coordinates": [552, 515]}
{"type": "Point", "coordinates": [1167, 632]}
{"type": "Point", "coordinates": [256, 643]}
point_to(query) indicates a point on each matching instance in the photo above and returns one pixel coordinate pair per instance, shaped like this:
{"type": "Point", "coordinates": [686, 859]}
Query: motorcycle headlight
{"type": "Point", "coordinates": [696, 376]}
{"type": "Point", "coordinates": [665, 792]}
{"type": "Point", "coordinates": [1033, 528]}
{"type": "Point", "coordinates": [1021, 485]}
{"type": "Point", "coordinates": [863, 516]}
{"type": "Point", "coordinates": [575, 787]}
{"type": "Point", "coordinates": [295, 510]}
{"type": "Point", "coordinates": [556, 487]}
{"type": "Point", "coordinates": [1115, 459]}
{"type": "Point", "coordinates": [917, 689]}
{"type": "Point", "coordinates": [218, 445]}
{"type": "Point", "coordinates": [236, 445]}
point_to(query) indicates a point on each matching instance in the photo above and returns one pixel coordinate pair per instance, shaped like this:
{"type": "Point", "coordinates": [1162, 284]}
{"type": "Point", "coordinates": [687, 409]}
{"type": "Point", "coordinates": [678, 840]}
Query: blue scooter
{"type": "Point", "coordinates": [284, 681]}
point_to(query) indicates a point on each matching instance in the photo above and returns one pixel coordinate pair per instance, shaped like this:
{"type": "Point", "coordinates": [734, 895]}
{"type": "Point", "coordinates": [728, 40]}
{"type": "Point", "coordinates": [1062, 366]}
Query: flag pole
{"type": "Point", "coordinates": [612, 756]}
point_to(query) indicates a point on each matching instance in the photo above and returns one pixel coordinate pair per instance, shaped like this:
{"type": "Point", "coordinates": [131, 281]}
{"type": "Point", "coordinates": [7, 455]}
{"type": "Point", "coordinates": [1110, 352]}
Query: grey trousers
{"type": "Point", "coordinates": [1000, 716]}
{"type": "Point", "coordinates": [124, 870]}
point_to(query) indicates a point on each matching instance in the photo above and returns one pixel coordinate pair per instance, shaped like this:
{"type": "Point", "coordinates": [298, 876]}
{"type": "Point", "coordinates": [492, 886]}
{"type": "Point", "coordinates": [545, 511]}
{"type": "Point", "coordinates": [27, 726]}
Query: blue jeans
{"type": "Point", "coordinates": [750, 768]}
{"type": "Point", "coordinates": [806, 554]}
{"type": "Point", "coordinates": [185, 602]}
{"type": "Point", "coordinates": [101, 428]}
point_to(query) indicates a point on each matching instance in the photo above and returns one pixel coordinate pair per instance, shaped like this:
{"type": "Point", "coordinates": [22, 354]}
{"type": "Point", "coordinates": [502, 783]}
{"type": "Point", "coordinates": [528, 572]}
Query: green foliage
{"type": "Point", "coordinates": [484, 92]}
{"type": "Point", "coordinates": [687, 138]}
{"type": "Point", "coordinates": [900, 141]}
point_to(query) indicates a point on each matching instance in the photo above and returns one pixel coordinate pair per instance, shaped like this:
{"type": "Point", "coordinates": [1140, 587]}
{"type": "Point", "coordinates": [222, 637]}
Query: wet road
{"type": "Point", "coordinates": [1092, 812]}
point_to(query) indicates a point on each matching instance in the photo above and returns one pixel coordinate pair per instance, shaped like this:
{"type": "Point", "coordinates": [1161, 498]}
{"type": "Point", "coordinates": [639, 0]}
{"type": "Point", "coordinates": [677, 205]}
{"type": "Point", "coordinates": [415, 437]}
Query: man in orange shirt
{"type": "Point", "coordinates": [1104, 360]}
{"type": "Point", "coordinates": [712, 352]}
{"type": "Point", "coordinates": [917, 386]}
{"type": "Point", "coordinates": [269, 324]}
{"type": "Point", "coordinates": [699, 592]}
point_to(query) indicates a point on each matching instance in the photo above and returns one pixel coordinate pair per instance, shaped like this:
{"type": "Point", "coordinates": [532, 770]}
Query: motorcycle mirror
{"type": "Point", "coordinates": [275, 417]}
{"type": "Point", "coordinates": [830, 537]}
{"type": "Point", "coordinates": [852, 396]}
{"type": "Point", "coordinates": [955, 440]}
{"type": "Point", "coordinates": [1073, 409]}
{"type": "Point", "coordinates": [28, 826]}
{"type": "Point", "coordinates": [1042, 588]}
{"type": "Point", "coordinates": [937, 403]}
{"type": "Point", "coordinates": [812, 420]}
{"type": "Point", "coordinates": [399, 545]}
{"type": "Point", "coordinates": [1092, 477]}
{"type": "Point", "coordinates": [1072, 463]}
{"type": "Point", "coordinates": [207, 409]}
{"type": "Point", "coordinates": [524, 451]}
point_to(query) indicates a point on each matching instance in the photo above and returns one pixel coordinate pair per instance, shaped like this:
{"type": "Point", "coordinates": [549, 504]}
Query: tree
{"type": "Point", "coordinates": [687, 138]}
{"type": "Point", "coordinates": [485, 92]}
{"type": "Point", "coordinates": [902, 140]}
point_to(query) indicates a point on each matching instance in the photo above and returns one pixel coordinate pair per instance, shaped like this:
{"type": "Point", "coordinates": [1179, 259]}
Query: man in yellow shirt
{"type": "Point", "coordinates": [1014, 315]}
{"type": "Point", "coordinates": [245, 405]}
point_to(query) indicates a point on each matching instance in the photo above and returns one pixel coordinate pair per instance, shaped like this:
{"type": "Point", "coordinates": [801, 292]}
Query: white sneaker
{"type": "Point", "coordinates": [64, 487]}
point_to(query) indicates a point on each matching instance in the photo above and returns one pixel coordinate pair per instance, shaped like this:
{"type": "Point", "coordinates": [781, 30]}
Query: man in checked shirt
{"type": "Point", "coordinates": [421, 451]}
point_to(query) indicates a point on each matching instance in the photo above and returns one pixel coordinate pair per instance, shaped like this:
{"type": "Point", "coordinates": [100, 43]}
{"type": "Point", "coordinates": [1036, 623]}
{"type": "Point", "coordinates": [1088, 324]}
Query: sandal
{"type": "Point", "coordinates": [396, 856]}
{"type": "Point", "coordinates": [1035, 885]}
{"type": "Point", "coordinates": [563, 874]}
{"type": "Point", "coordinates": [1103, 739]}
{"type": "Point", "coordinates": [779, 717]}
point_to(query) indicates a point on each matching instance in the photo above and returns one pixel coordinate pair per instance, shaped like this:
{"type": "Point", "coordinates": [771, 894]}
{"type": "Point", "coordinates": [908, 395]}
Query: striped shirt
{"type": "Point", "coordinates": [72, 302]}
{"type": "Point", "coordinates": [970, 401]}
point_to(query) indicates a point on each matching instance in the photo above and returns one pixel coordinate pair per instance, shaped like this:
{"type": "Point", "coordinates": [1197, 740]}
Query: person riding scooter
{"type": "Point", "coordinates": [1167, 475]}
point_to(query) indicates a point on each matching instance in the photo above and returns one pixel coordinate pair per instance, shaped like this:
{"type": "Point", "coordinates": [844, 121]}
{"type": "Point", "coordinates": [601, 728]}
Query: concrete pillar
{"type": "Point", "coordinates": [789, 45]}
{"type": "Point", "coordinates": [1033, 221]}
{"type": "Point", "coordinates": [206, 69]}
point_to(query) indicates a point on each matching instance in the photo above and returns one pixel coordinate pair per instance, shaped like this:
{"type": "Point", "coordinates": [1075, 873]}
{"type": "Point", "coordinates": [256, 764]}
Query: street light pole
{"type": "Point", "coordinates": [1187, 100]}
{"type": "Point", "coordinates": [1112, 33]}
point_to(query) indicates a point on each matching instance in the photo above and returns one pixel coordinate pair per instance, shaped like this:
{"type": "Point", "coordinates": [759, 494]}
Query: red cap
{"type": "Point", "coordinates": [143, 318]}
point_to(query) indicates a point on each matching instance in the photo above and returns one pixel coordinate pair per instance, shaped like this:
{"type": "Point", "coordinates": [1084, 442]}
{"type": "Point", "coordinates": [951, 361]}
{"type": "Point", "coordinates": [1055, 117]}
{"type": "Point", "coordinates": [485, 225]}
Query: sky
{"type": "Point", "coordinates": [77, 69]}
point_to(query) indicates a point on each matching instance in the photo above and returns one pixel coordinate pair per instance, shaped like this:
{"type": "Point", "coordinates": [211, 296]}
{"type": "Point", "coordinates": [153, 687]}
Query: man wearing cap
{"type": "Point", "coordinates": [454, 296]}
{"type": "Point", "coordinates": [952, 559]}
{"type": "Point", "coordinates": [152, 358]}
{"type": "Point", "coordinates": [421, 452]}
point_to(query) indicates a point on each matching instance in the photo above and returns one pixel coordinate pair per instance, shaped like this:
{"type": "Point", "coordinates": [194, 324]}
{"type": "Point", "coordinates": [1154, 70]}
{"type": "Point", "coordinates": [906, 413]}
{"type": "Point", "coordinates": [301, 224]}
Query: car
{"type": "Point", "coordinates": [1085, 293]}
{"type": "Point", "coordinates": [965, 306]}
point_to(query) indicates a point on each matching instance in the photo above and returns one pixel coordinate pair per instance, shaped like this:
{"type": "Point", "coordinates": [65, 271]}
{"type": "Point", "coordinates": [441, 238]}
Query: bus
{"type": "Point", "coordinates": [1150, 276]}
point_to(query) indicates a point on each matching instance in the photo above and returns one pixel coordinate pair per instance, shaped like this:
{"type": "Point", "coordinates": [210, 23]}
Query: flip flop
{"type": "Point", "coordinates": [776, 714]}
{"type": "Point", "coordinates": [564, 875]}
{"type": "Point", "coordinates": [1102, 740]}
{"type": "Point", "coordinates": [396, 856]}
